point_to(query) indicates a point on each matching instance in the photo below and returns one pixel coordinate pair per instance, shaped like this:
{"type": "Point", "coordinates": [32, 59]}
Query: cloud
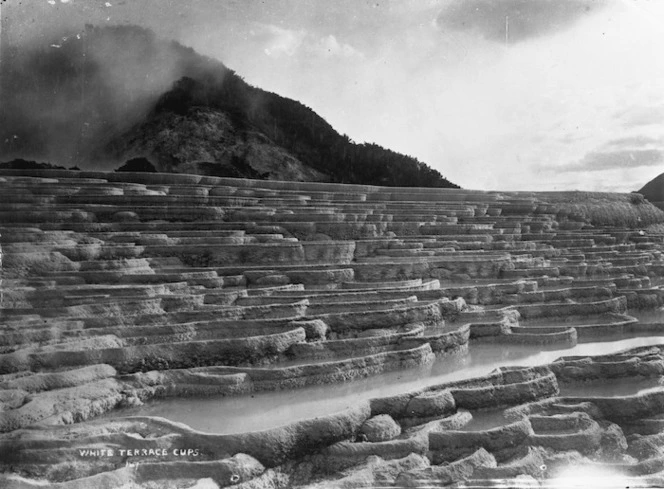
{"type": "Point", "coordinates": [279, 41]}
{"type": "Point", "coordinates": [569, 137]}
{"type": "Point", "coordinates": [515, 20]}
{"type": "Point", "coordinates": [644, 116]}
{"type": "Point", "coordinates": [613, 160]}
{"type": "Point", "coordinates": [638, 141]}
{"type": "Point", "coordinates": [330, 46]}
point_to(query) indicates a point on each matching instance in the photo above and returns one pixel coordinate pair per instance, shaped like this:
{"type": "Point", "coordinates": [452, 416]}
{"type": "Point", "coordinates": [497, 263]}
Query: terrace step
{"type": "Point", "coordinates": [119, 288]}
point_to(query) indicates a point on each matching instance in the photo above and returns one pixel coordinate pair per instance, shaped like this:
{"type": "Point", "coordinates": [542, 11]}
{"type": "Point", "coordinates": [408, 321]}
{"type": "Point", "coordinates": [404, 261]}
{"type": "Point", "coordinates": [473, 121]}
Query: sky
{"type": "Point", "coordinates": [495, 94]}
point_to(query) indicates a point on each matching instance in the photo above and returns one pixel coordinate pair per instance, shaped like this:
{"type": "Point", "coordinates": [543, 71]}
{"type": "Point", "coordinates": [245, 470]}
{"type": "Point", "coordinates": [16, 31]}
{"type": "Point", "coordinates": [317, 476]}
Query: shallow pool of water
{"type": "Point", "coordinates": [611, 388]}
{"type": "Point", "coordinates": [269, 409]}
{"type": "Point", "coordinates": [486, 419]}
{"type": "Point", "coordinates": [572, 321]}
{"type": "Point", "coordinates": [649, 316]}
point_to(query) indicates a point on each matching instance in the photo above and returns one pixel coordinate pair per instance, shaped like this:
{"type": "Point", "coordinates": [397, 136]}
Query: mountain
{"type": "Point", "coordinates": [111, 94]}
{"type": "Point", "coordinates": [654, 191]}
{"type": "Point", "coordinates": [207, 141]}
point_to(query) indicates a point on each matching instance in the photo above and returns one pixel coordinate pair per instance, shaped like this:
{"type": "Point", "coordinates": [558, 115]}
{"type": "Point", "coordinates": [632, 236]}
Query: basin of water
{"type": "Point", "coordinates": [611, 388]}
{"type": "Point", "coordinates": [572, 321]}
{"type": "Point", "coordinates": [486, 419]}
{"type": "Point", "coordinates": [269, 409]}
{"type": "Point", "coordinates": [648, 316]}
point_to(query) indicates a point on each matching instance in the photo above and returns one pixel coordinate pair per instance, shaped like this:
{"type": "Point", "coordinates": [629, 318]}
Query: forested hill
{"type": "Point", "coordinates": [283, 122]}
{"type": "Point", "coordinates": [114, 93]}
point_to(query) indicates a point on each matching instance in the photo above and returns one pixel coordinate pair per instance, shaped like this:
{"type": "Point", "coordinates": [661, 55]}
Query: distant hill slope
{"type": "Point", "coordinates": [654, 191]}
{"type": "Point", "coordinates": [115, 93]}
{"type": "Point", "coordinates": [206, 141]}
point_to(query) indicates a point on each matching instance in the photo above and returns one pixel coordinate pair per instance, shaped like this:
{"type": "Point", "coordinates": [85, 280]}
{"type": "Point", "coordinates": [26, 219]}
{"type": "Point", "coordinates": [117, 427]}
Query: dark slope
{"type": "Point", "coordinates": [208, 141]}
{"type": "Point", "coordinates": [654, 191]}
{"type": "Point", "coordinates": [111, 94]}
{"type": "Point", "coordinates": [223, 119]}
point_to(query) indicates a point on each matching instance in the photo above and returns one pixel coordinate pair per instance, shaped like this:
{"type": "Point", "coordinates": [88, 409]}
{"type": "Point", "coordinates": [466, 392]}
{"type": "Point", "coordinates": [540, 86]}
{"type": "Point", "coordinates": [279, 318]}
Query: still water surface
{"type": "Point", "coordinates": [269, 409]}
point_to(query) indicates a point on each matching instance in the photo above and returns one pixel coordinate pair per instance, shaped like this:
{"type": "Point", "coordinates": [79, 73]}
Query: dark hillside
{"type": "Point", "coordinates": [654, 191]}
{"type": "Point", "coordinates": [284, 123]}
{"type": "Point", "coordinates": [100, 97]}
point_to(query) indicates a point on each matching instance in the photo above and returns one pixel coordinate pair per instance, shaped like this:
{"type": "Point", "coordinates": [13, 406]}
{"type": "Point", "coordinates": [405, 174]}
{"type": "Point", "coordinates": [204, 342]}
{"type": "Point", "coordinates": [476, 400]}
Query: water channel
{"type": "Point", "coordinates": [265, 410]}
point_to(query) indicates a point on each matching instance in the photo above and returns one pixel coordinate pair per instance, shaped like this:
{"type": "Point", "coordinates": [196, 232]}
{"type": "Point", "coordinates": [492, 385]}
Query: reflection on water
{"type": "Point", "coordinates": [269, 409]}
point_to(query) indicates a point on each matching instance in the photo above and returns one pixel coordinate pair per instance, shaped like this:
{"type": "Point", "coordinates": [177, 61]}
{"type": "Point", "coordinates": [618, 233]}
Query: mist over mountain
{"type": "Point", "coordinates": [62, 100]}
{"type": "Point", "coordinates": [105, 95]}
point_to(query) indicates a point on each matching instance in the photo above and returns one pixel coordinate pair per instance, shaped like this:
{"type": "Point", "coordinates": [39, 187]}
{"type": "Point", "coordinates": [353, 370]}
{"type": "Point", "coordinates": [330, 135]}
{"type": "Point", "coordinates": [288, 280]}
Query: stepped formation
{"type": "Point", "coordinates": [124, 288]}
